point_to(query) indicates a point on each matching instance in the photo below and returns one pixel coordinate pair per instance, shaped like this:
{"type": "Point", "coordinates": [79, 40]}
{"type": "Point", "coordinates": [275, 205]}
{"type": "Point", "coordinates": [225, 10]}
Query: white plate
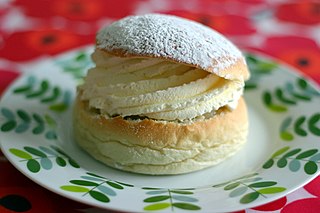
{"type": "Point", "coordinates": [282, 153]}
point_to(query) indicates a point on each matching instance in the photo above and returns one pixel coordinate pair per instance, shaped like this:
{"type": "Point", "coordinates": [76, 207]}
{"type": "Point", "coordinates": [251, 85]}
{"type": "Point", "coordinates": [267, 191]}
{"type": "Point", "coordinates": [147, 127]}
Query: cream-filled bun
{"type": "Point", "coordinates": [164, 97]}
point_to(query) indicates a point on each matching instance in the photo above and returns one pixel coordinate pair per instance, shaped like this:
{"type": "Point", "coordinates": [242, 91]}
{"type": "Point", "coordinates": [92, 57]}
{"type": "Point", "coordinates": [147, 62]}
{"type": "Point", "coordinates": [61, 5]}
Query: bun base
{"type": "Point", "coordinates": [158, 147]}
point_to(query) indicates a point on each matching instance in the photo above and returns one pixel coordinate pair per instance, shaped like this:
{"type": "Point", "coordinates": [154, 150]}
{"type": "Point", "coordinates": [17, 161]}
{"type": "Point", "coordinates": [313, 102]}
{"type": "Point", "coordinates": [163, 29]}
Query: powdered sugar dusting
{"type": "Point", "coordinates": [170, 37]}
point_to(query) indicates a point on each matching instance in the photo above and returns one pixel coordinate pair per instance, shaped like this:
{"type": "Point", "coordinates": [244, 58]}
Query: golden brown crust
{"type": "Point", "coordinates": [223, 133]}
{"type": "Point", "coordinates": [164, 134]}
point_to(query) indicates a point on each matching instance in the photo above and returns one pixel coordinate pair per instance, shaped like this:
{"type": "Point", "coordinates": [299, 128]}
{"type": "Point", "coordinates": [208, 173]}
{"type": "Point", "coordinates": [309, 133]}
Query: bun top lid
{"type": "Point", "coordinates": [175, 39]}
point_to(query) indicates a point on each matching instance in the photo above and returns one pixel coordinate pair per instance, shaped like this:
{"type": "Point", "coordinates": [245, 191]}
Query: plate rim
{"type": "Point", "coordinates": [291, 69]}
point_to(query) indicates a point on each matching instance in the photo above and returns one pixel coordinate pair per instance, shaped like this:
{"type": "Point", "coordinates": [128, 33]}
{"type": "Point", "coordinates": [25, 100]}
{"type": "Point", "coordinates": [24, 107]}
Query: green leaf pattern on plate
{"type": "Point", "coordinates": [21, 121]}
{"type": "Point", "coordinates": [57, 99]}
{"type": "Point", "coordinates": [281, 98]}
{"type": "Point", "coordinates": [77, 65]}
{"type": "Point", "coordinates": [162, 198]}
{"type": "Point", "coordinates": [258, 68]}
{"type": "Point", "coordinates": [301, 126]}
{"type": "Point", "coordinates": [42, 157]}
{"type": "Point", "coordinates": [250, 188]}
{"type": "Point", "coordinates": [294, 159]}
{"type": "Point", "coordinates": [97, 187]}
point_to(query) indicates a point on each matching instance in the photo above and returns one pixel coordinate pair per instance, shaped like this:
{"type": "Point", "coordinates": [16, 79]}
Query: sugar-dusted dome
{"type": "Point", "coordinates": [176, 39]}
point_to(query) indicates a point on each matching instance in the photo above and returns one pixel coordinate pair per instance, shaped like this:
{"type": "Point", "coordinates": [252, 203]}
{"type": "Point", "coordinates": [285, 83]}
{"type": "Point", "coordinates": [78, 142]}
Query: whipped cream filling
{"type": "Point", "coordinates": [155, 88]}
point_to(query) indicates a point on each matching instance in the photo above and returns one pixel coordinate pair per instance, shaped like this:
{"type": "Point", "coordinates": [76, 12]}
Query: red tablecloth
{"type": "Point", "coordinates": [287, 30]}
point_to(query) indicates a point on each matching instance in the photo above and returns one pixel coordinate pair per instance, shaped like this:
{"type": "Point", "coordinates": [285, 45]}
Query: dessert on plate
{"type": "Point", "coordinates": [164, 97]}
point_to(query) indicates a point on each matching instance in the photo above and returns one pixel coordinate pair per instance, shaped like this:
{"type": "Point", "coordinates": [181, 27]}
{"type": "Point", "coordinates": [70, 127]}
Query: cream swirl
{"type": "Point", "coordinates": [155, 88]}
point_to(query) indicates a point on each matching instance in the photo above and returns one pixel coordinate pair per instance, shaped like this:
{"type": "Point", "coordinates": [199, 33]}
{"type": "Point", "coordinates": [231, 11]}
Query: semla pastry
{"type": "Point", "coordinates": [164, 97]}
